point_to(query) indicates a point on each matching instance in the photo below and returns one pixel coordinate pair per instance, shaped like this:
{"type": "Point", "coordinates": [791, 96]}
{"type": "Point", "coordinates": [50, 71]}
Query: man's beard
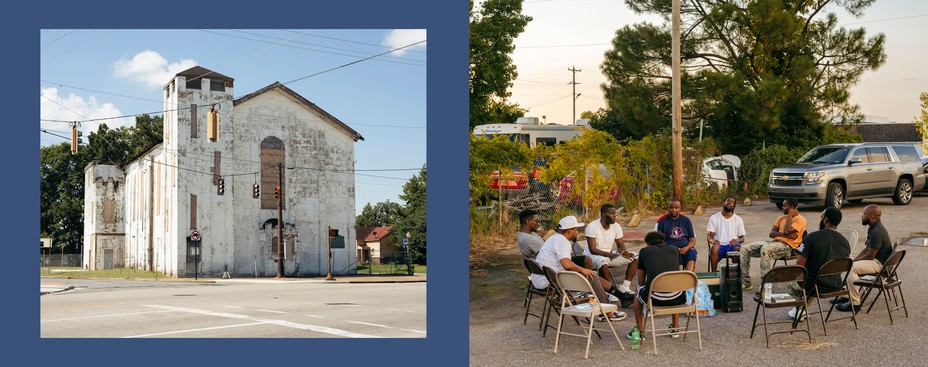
{"type": "Point", "coordinates": [728, 209]}
{"type": "Point", "coordinates": [865, 222]}
{"type": "Point", "coordinates": [785, 210]}
{"type": "Point", "coordinates": [821, 224]}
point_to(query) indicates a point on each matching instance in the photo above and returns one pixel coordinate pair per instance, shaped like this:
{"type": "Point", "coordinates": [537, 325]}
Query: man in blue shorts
{"type": "Point", "coordinates": [726, 232]}
{"type": "Point", "coordinates": [678, 230]}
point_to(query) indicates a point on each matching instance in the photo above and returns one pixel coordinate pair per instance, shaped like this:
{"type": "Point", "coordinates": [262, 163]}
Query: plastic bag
{"type": "Point", "coordinates": [704, 304]}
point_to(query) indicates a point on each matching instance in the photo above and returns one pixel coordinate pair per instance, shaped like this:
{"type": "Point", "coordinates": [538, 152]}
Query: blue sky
{"type": "Point", "coordinates": [576, 34]}
{"type": "Point", "coordinates": [89, 74]}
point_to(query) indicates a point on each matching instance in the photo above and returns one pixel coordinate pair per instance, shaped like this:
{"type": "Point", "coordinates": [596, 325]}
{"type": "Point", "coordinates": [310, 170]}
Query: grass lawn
{"type": "Point", "coordinates": [388, 269]}
{"type": "Point", "coordinates": [76, 272]}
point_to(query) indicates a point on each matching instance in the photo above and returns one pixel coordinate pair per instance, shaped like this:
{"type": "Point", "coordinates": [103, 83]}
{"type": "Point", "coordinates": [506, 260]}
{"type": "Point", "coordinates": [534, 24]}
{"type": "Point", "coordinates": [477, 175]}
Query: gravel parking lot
{"type": "Point", "coordinates": [498, 337]}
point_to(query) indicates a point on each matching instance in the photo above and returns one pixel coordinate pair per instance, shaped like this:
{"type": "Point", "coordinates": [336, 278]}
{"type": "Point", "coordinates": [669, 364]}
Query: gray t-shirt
{"type": "Point", "coordinates": [529, 244]}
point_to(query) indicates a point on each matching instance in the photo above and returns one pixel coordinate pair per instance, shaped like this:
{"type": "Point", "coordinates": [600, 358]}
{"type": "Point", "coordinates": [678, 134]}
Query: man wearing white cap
{"type": "Point", "coordinates": [556, 254]}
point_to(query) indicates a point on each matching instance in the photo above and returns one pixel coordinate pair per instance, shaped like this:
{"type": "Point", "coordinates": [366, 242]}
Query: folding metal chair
{"type": "Point", "coordinates": [554, 300]}
{"type": "Point", "coordinates": [833, 268]}
{"type": "Point", "coordinates": [852, 237]}
{"type": "Point", "coordinates": [574, 286]}
{"type": "Point", "coordinates": [887, 281]}
{"type": "Point", "coordinates": [531, 291]}
{"type": "Point", "coordinates": [781, 275]}
{"type": "Point", "coordinates": [673, 281]}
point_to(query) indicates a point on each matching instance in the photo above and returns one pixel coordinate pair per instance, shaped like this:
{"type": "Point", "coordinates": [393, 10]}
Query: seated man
{"type": "Point", "coordinates": [601, 235]}
{"type": "Point", "coordinates": [656, 258]}
{"type": "Point", "coordinates": [786, 237]}
{"type": "Point", "coordinates": [678, 231]}
{"type": "Point", "coordinates": [815, 250]}
{"type": "Point", "coordinates": [726, 232]}
{"type": "Point", "coordinates": [528, 238]}
{"type": "Point", "coordinates": [555, 254]}
{"type": "Point", "coordinates": [870, 260]}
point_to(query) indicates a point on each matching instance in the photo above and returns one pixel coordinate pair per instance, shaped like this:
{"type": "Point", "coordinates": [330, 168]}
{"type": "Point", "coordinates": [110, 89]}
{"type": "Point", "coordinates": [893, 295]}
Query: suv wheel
{"type": "Point", "coordinates": [903, 195]}
{"type": "Point", "coordinates": [834, 197]}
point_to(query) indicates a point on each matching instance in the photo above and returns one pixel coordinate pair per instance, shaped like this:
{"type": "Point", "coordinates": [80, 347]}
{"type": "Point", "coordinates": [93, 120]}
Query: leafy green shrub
{"type": "Point", "coordinates": [756, 166]}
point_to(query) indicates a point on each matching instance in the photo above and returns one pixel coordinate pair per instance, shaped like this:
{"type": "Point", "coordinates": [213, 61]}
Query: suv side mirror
{"type": "Point", "coordinates": [853, 161]}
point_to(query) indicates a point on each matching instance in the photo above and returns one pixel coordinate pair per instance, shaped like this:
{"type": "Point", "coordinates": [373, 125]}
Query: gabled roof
{"type": "Point", "coordinates": [889, 133]}
{"type": "Point", "coordinates": [306, 103]}
{"type": "Point", "coordinates": [370, 234]}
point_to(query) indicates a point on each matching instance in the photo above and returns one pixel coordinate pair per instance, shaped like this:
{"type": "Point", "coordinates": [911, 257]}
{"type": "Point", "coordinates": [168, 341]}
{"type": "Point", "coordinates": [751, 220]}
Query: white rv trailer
{"type": "Point", "coordinates": [531, 132]}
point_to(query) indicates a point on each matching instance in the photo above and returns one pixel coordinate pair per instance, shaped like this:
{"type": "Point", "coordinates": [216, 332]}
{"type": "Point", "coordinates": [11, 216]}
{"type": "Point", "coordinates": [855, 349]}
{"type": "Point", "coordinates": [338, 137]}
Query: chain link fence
{"type": "Point", "coordinates": [61, 260]}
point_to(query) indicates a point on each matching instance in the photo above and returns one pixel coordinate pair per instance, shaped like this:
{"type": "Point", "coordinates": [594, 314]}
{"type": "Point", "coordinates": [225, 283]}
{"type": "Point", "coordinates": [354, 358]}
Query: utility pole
{"type": "Point", "coordinates": [677, 139]}
{"type": "Point", "coordinates": [574, 83]}
{"type": "Point", "coordinates": [280, 222]}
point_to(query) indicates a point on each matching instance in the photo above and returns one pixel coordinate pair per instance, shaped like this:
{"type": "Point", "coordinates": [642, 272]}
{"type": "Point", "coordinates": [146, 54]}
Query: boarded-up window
{"type": "Point", "coordinates": [109, 211]}
{"type": "Point", "coordinates": [217, 172]}
{"type": "Point", "coordinates": [158, 189]}
{"type": "Point", "coordinates": [194, 84]}
{"type": "Point", "coordinates": [193, 211]}
{"type": "Point", "coordinates": [272, 154]}
{"type": "Point", "coordinates": [288, 249]}
{"type": "Point", "coordinates": [217, 86]}
{"type": "Point", "coordinates": [193, 121]}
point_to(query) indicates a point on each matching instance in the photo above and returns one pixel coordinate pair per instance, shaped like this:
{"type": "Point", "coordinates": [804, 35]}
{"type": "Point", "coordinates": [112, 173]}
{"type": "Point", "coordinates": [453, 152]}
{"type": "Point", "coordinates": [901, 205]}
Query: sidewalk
{"type": "Point", "coordinates": [56, 286]}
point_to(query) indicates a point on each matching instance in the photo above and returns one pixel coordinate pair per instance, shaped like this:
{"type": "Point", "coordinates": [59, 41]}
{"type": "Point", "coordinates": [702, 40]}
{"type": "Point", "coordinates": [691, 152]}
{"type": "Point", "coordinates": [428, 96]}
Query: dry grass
{"type": "Point", "coordinates": [483, 246]}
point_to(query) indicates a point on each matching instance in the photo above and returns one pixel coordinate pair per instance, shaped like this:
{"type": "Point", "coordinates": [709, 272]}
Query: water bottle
{"type": "Point", "coordinates": [768, 291]}
{"type": "Point", "coordinates": [636, 338]}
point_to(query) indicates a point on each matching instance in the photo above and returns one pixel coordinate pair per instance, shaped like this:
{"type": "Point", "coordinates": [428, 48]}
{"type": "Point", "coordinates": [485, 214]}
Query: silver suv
{"type": "Point", "coordinates": [829, 174]}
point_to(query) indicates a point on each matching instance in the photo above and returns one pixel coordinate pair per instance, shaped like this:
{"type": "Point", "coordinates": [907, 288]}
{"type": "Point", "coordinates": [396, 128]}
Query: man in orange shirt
{"type": "Point", "coordinates": [786, 236]}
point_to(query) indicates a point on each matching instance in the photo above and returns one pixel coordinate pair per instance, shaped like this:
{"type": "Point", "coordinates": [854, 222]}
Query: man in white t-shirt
{"type": "Point", "coordinates": [601, 236]}
{"type": "Point", "coordinates": [556, 253]}
{"type": "Point", "coordinates": [726, 232]}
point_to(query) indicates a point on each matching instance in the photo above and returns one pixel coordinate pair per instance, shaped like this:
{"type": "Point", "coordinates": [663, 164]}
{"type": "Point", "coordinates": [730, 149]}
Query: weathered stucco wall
{"type": "Point", "coordinates": [103, 214]}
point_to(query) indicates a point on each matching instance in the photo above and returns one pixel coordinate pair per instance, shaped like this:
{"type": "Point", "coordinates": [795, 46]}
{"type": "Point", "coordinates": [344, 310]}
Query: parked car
{"type": "Point", "coordinates": [721, 170]}
{"type": "Point", "coordinates": [925, 165]}
{"type": "Point", "coordinates": [830, 174]}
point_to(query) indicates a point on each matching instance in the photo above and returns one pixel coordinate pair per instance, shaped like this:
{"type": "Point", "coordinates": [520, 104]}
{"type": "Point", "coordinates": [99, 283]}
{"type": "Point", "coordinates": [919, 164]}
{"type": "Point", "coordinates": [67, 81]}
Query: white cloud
{"type": "Point", "coordinates": [150, 68]}
{"type": "Point", "coordinates": [75, 108]}
{"type": "Point", "coordinates": [402, 37]}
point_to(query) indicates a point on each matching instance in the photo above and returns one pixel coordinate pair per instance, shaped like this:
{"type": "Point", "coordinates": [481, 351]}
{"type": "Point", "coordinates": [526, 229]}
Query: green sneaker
{"type": "Point", "coordinates": [746, 285]}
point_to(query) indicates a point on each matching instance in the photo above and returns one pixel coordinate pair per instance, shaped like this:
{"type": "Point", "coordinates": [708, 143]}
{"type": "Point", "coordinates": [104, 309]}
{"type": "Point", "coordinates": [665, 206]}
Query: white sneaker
{"type": "Point", "coordinates": [613, 316]}
{"type": "Point", "coordinates": [611, 297]}
{"type": "Point", "coordinates": [792, 314]}
{"type": "Point", "coordinates": [625, 289]}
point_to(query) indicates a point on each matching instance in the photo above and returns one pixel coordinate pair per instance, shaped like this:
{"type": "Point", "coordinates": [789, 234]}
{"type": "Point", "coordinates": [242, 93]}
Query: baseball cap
{"type": "Point", "coordinates": [569, 222]}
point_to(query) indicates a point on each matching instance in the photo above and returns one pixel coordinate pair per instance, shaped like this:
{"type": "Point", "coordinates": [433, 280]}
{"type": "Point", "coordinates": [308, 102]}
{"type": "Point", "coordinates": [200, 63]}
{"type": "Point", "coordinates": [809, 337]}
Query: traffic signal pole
{"type": "Point", "coordinates": [280, 223]}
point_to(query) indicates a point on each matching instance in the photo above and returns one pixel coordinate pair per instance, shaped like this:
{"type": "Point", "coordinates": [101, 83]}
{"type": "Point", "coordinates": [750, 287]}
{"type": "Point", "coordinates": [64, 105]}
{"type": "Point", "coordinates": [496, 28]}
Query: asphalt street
{"type": "Point", "coordinates": [499, 338]}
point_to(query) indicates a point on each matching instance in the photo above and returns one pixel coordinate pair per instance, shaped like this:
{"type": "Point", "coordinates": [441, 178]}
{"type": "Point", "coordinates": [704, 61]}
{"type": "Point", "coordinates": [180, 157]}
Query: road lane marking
{"type": "Point", "coordinates": [192, 330]}
{"type": "Point", "coordinates": [385, 326]}
{"type": "Point", "coordinates": [316, 328]}
{"type": "Point", "coordinates": [99, 316]}
{"type": "Point", "coordinates": [271, 311]}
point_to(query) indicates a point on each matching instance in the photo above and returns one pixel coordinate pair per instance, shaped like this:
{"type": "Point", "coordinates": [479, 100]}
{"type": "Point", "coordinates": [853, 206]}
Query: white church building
{"type": "Point", "coordinates": [146, 213]}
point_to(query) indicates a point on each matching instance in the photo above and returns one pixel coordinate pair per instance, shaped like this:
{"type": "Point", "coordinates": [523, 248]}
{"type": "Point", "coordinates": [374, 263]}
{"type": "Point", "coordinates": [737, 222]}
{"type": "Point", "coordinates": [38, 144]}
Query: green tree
{"type": "Point", "coordinates": [754, 72]}
{"type": "Point", "coordinates": [413, 218]}
{"type": "Point", "coordinates": [921, 122]}
{"type": "Point", "coordinates": [381, 214]}
{"type": "Point", "coordinates": [61, 175]}
{"type": "Point", "coordinates": [493, 27]}
{"type": "Point", "coordinates": [498, 154]}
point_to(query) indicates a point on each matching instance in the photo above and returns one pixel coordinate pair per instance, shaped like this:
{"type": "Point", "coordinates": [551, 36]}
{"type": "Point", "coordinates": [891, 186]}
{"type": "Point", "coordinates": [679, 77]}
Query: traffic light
{"type": "Point", "coordinates": [212, 124]}
{"type": "Point", "coordinates": [277, 193]}
{"type": "Point", "coordinates": [255, 190]}
{"type": "Point", "coordinates": [75, 139]}
{"type": "Point", "coordinates": [333, 232]}
{"type": "Point", "coordinates": [221, 188]}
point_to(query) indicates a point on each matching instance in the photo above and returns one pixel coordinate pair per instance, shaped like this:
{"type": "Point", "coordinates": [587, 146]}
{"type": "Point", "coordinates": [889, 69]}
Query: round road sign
{"type": "Point", "coordinates": [195, 235]}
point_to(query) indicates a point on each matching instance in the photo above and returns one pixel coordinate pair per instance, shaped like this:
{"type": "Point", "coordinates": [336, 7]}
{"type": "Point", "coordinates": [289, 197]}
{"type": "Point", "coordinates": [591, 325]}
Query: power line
{"type": "Point", "coordinates": [355, 62]}
{"type": "Point", "coordinates": [350, 41]}
{"type": "Point", "coordinates": [414, 62]}
{"type": "Point", "coordinates": [101, 92]}
{"type": "Point", "coordinates": [886, 20]}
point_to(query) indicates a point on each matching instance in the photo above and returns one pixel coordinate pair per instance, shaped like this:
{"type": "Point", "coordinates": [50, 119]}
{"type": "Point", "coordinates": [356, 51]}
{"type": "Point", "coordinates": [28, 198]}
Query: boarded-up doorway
{"type": "Point", "coordinates": [107, 259]}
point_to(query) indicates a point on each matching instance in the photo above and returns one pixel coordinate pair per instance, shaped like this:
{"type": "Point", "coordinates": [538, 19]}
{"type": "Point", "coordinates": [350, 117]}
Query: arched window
{"type": "Point", "coordinates": [272, 154]}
